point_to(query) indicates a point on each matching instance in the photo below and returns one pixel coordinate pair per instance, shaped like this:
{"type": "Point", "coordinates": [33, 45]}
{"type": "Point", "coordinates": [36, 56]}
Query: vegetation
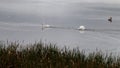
{"type": "Point", "coordinates": [41, 55]}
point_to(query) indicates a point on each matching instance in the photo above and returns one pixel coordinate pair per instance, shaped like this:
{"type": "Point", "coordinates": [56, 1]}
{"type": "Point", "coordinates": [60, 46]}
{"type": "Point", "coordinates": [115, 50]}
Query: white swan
{"type": "Point", "coordinates": [81, 28]}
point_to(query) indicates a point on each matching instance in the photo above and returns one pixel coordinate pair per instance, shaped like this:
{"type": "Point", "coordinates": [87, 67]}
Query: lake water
{"type": "Point", "coordinates": [22, 20]}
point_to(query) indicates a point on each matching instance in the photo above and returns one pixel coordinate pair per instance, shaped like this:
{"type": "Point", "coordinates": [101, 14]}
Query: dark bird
{"type": "Point", "coordinates": [110, 19]}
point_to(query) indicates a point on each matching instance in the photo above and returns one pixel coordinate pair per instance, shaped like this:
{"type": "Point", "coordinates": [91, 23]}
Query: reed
{"type": "Point", "coordinates": [39, 55]}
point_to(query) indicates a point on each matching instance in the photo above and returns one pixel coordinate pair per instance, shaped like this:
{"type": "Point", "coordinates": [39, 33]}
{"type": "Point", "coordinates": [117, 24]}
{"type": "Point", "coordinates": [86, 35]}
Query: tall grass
{"type": "Point", "coordinates": [39, 55]}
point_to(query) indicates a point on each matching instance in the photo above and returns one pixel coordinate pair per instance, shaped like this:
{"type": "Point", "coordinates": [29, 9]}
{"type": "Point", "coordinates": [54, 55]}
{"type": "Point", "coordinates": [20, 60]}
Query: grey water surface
{"type": "Point", "coordinates": [22, 20]}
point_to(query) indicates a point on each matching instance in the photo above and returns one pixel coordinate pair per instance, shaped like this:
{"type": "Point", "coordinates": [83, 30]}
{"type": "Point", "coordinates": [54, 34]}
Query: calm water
{"type": "Point", "coordinates": [21, 20]}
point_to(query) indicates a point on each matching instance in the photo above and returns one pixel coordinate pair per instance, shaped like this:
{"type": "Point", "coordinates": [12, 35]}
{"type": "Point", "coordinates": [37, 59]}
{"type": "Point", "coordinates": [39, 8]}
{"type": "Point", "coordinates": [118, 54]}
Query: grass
{"type": "Point", "coordinates": [38, 55]}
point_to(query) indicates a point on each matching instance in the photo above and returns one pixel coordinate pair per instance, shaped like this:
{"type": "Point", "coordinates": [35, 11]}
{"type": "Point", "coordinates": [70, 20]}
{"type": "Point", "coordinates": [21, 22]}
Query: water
{"type": "Point", "coordinates": [22, 20]}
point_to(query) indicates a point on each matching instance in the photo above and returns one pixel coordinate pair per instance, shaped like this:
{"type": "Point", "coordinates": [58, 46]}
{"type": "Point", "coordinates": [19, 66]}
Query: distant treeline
{"type": "Point", "coordinates": [39, 55]}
